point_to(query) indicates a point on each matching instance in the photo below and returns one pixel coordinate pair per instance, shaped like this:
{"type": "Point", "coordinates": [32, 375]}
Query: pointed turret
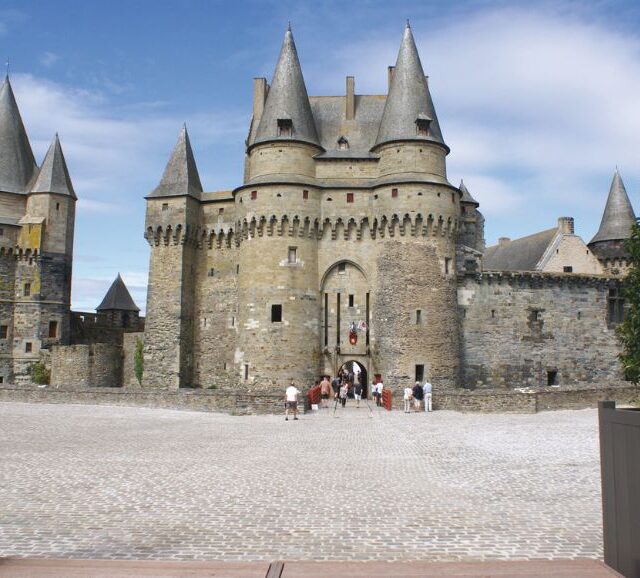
{"type": "Point", "coordinates": [118, 298]}
{"type": "Point", "coordinates": [618, 217]}
{"type": "Point", "coordinates": [466, 195]}
{"type": "Point", "coordinates": [180, 176]}
{"type": "Point", "coordinates": [287, 111]}
{"type": "Point", "coordinates": [409, 113]}
{"type": "Point", "coordinates": [54, 175]}
{"type": "Point", "coordinates": [17, 164]}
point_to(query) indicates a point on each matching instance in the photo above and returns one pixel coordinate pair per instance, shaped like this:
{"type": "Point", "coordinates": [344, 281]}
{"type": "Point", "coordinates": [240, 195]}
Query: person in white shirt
{"type": "Point", "coordinates": [291, 401]}
{"type": "Point", "coordinates": [408, 396]}
{"type": "Point", "coordinates": [427, 388]}
{"type": "Point", "coordinates": [378, 389]}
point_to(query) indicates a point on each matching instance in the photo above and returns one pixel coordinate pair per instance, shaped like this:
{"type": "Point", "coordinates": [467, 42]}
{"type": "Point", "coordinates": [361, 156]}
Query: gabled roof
{"type": "Point", "coordinates": [618, 217]}
{"type": "Point", "coordinates": [180, 176]}
{"type": "Point", "coordinates": [466, 195]}
{"type": "Point", "coordinates": [17, 163]}
{"type": "Point", "coordinates": [409, 99]}
{"type": "Point", "coordinates": [522, 254]}
{"type": "Point", "coordinates": [118, 297]}
{"type": "Point", "coordinates": [287, 99]}
{"type": "Point", "coordinates": [54, 175]}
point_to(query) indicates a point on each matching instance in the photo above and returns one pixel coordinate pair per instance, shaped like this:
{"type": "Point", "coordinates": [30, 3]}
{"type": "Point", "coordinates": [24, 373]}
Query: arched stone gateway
{"type": "Point", "coordinates": [346, 334]}
{"type": "Point", "coordinates": [360, 375]}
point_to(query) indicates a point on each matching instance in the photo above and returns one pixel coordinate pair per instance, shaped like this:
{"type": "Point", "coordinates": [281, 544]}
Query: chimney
{"type": "Point", "coordinates": [502, 241]}
{"type": "Point", "coordinates": [260, 89]}
{"type": "Point", "coordinates": [391, 70]}
{"type": "Point", "coordinates": [565, 225]}
{"type": "Point", "coordinates": [350, 110]}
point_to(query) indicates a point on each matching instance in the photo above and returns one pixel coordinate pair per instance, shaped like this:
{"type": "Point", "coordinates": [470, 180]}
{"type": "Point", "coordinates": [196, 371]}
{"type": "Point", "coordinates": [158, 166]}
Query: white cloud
{"type": "Point", "coordinates": [10, 19]}
{"type": "Point", "coordinates": [48, 59]}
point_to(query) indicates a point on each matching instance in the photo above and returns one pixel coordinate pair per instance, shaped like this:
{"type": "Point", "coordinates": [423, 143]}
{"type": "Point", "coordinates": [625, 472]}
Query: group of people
{"type": "Point", "coordinates": [420, 395]}
{"type": "Point", "coordinates": [346, 383]}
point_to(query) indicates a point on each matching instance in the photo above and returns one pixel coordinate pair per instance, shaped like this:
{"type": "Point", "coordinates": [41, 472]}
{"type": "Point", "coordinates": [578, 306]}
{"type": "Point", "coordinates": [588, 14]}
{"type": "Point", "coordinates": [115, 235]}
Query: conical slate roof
{"type": "Point", "coordinates": [409, 99]}
{"type": "Point", "coordinates": [287, 99]}
{"type": "Point", "coordinates": [180, 176]}
{"type": "Point", "coordinates": [118, 297]}
{"type": "Point", "coordinates": [54, 175]}
{"type": "Point", "coordinates": [466, 195]}
{"type": "Point", "coordinates": [618, 217]}
{"type": "Point", "coordinates": [17, 164]}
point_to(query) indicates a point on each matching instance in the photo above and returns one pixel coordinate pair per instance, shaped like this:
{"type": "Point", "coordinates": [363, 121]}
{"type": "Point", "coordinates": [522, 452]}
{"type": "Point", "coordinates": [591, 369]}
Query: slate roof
{"type": "Point", "coordinates": [287, 99]}
{"type": "Point", "coordinates": [618, 217]}
{"type": "Point", "coordinates": [466, 195]}
{"type": "Point", "coordinates": [522, 254]}
{"type": "Point", "coordinates": [180, 176]}
{"type": "Point", "coordinates": [54, 175]}
{"type": "Point", "coordinates": [118, 297]}
{"type": "Point", "coordinates": [17, 163]}
{"type": "Point", "coordinates": [409, 99]}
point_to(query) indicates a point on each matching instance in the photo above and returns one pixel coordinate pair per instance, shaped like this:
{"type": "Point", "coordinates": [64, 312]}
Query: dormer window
{"type": "Point", "coordinates": [422, 125]}
{"type": "Point", "coordinates": [343, 144]}
{"type": "Point", "coordinates": [285, 127]}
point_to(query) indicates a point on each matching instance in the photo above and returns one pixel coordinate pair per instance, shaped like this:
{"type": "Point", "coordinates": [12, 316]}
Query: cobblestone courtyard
{"type": "Point", "coordinates": [111, 482]}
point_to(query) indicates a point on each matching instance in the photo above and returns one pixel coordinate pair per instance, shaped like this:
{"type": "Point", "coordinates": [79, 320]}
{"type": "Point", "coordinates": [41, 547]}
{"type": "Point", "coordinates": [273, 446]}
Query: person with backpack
{"type": "Point", "coordinates": [357, 392]}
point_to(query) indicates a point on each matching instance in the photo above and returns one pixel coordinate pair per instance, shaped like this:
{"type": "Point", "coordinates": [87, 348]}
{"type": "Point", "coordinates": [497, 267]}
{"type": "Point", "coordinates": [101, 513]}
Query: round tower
{"type": "Point", "coordinates": [277, 210]}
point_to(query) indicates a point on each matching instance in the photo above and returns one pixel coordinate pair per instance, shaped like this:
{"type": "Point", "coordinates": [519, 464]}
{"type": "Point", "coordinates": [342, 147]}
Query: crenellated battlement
{"type": "Point", "coordinates": [19, 254]}
{"type": "Point", "coordinates": [537, 279]}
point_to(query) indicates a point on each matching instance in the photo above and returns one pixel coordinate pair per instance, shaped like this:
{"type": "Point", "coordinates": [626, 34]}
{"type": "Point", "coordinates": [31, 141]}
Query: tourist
{"type": "Point", "coordinates": [379, 388]}
{"type": "Point", "coordinates": [344, 392]}
{"type": "Point", "coordinates": [357, 392]}
{"type": "Point", "coordinates": [418, 396]}
{"type": "Point", "coordinates": [291, 401]}
{"type": "Point", "coordinates": [408, 396]}
{"type": "Point", "coordinates": [427, 388]}
{"type": "Point", "coordinates": [325, 390]}
{"type": "Point", "coordinates": [335, 384]}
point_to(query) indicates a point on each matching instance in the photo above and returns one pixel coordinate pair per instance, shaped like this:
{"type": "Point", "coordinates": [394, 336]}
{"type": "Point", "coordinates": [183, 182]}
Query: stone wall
{"type": "Point", "coordinates": [533, 329]}
{"type": "Point", "coordinates": [96, 365]}
{"type": "Point", "coordinates": [129, 343]}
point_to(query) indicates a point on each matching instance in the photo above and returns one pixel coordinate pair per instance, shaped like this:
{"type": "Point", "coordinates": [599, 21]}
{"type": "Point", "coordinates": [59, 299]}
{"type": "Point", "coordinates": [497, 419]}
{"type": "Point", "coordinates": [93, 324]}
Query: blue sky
{"type": "Point", "coordinates": [538, 100]}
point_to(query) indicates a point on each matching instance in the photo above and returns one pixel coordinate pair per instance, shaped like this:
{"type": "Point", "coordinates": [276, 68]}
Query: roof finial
{"type": "Point", "coordinates": [408, 25]}
{"type": "Point", "coordinates": [288, 25]}
{"type": "Point", "coordinates": [7, 67]}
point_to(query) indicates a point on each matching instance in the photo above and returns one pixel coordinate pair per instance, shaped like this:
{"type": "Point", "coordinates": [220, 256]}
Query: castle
{"type": "Point", "coordinates": [345, 244]}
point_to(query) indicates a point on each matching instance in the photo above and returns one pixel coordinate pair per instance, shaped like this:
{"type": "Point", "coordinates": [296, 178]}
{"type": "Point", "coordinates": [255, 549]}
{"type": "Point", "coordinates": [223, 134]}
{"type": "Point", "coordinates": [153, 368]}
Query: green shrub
{"type": "Point", "coordinates": [39, 373]}
{"type": "Point", "coordinates": [138, 361]}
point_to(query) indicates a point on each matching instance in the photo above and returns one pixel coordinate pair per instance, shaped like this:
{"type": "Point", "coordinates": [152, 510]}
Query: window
{"type": "Point", "coordinates": [615, 306]}
{"type": "Point", "coordinates": [276, 313]}
{"type": "Point", "coordinates": [1, 232]}
{"type": "Point", "coordinates": [418, 316]}
{"type": "Point", "coordinates": [552, 377]}
{"type": "Point", "coordinates": [237, 269]}
{"type": "Point", "coordinates": [447, 265]}
{"type": "Point", "coordinates": [293, 254]}
{"type": "Point", "coordinates": [343, 144]}
{"type": "Point", "coordinates": [420, 373]}
{"type": "Point", "coordinates": [246, 371]}
{"type": "Point", "coordinates": [349, 197]}
{"type": "Point", "coordinates": [579, 314]}
{"type": "Point", "coordinates": [27, 289]}
{"type": "Point", "coordinates": [305, 194]}
{"type": "Point", "coordinates": [493, 313]}
{"type": "Point", "coordinates": [224, 366]}
{"type": "Point", "coordinates": [4, 330]}
{"type": "Point", "coordinates": [211, 272]}
{"type": "Point", "coordinates": [394, 193]}
{"type": "Point", "coordinates": [53, 329]}
{"type": "Point", "coordinates": [422, 126]}
{"type": "Point", "coordinates": [568, 269]}
{"type": "Point", "coordinates": [351, 300]}
{"type": "Point", "coordinates": [165, 206]}
{"type": "Point", "coordinates": [220, 210]}
{"type": "Point", "coordinates": [1, 378]}
{"type": "Point", "coordinates": [57, 206]}
{"type": "Point", "coordinates": [285, 127]}
{"type": "Point", "coordinates": [254, 195]}
{"type": "Point", "coordinates": [28, 347]}
{"type": "Point", "coordinates": [342, 267]}
{"type": "Point", "coordinates": [453, 197]}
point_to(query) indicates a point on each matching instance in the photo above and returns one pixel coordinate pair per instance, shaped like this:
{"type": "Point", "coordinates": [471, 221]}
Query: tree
{"type": "Point", "coordinates": [138, 361]}
{"type": "Point", "coordinates": [629, 330]}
